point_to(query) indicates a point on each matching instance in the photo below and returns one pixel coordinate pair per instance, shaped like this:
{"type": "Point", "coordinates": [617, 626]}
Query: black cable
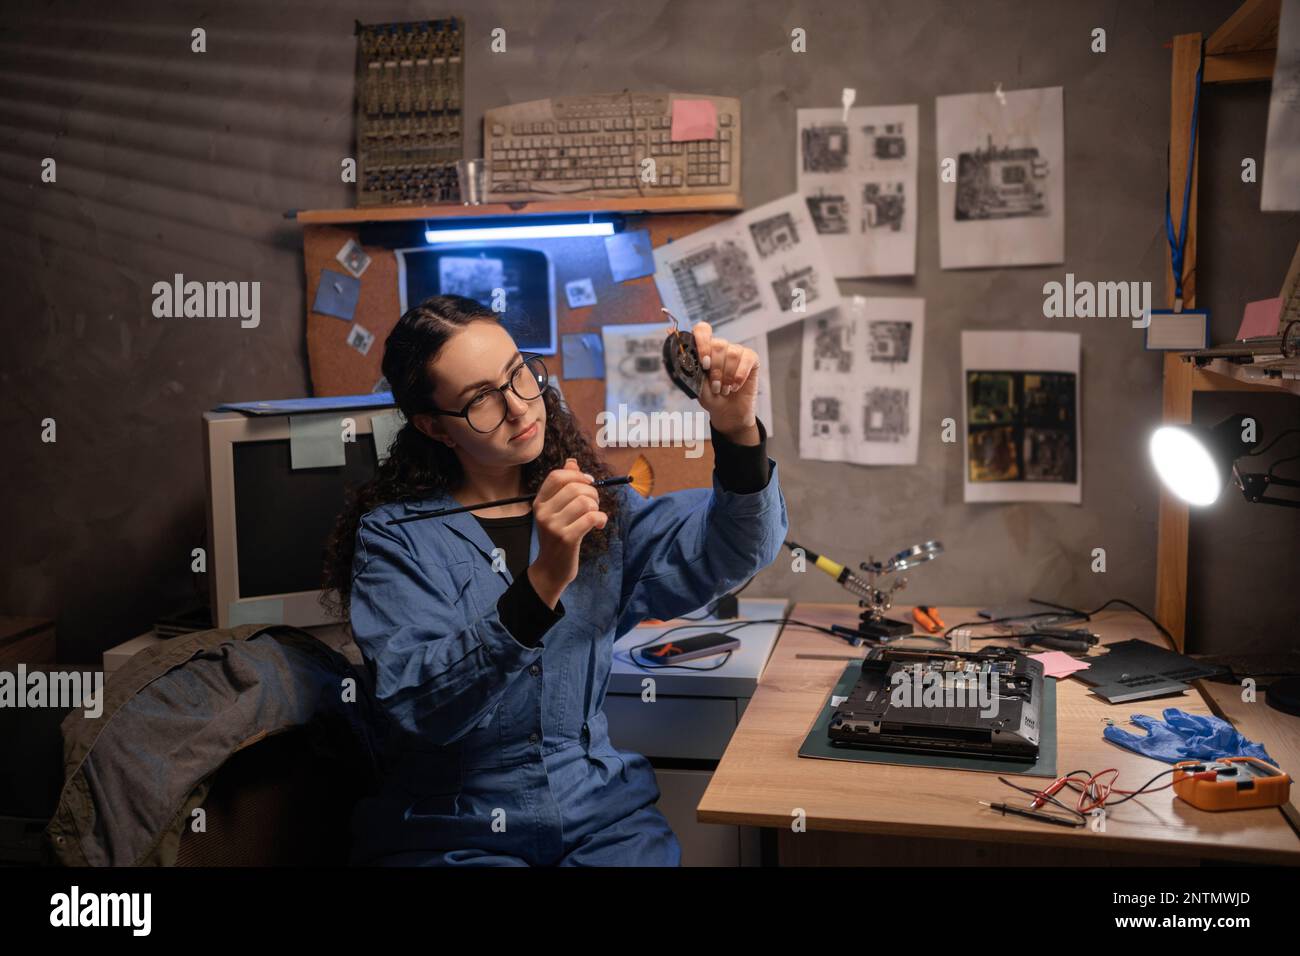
{"type": "Point", "coordinates": [1064, 607]}
{"type": "Point", "coordinates": [712, 604]}
{"type": "Point", "coordinates": [1139, 790]}
{"type": "Point", "coordinates": [1106, 805]}
{"type": "Point", "coordinates": [733, 627]}
{"type": "Point", "coordinates": [1281, 461]}
{"type": "Point", "coordinates": [996, 620]}
{"type": "Point", "coordinates": [1129, 604]}
{"type": "Point", "coordinates": [1079, 818]}
{"type": "Point", "coordinates": [703, 617]}
{"type": "Point", "coordinates": [659, 639]}
{"type": "Point", "coordinates": [1085, 615]}
{"type": "Point", "coordinates": [1276, 438]}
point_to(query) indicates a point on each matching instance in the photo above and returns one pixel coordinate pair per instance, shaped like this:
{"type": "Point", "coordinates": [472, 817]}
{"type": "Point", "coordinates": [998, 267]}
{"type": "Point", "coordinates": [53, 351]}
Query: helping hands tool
{"type": "Point", "coordinates": [875, 601]}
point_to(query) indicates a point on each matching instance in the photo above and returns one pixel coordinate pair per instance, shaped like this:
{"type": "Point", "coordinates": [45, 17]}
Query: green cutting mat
{"type": "Point", "coordinates": [818, 744]}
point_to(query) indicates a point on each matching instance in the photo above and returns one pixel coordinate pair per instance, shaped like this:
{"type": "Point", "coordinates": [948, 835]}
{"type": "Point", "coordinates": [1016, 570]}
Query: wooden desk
{"type": "Point", "coordinates": [860, 813]}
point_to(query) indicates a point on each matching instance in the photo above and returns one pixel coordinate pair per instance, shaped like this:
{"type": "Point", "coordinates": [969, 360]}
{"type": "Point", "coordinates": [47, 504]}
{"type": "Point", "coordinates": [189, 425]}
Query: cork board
{"type": "Point", "coordinates": [338, 369]}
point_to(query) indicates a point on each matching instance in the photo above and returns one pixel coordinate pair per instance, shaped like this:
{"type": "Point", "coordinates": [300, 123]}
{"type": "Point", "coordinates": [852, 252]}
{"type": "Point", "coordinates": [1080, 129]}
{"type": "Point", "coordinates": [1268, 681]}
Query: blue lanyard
{"type": "Point", "coordinates": [1178, 240]}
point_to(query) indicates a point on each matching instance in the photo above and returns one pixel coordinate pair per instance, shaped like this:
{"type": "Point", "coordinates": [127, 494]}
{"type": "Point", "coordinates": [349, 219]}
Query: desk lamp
{"type": "Point", "coordinates": [1195, 462]}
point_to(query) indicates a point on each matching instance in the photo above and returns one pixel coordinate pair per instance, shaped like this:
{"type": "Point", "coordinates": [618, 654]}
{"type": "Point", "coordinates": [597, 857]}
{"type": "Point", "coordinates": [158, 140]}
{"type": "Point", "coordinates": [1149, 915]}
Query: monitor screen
{"type": "Point", "coordinates": [515, 279]}
{"type": "Point", "coordinates": [283, 517]}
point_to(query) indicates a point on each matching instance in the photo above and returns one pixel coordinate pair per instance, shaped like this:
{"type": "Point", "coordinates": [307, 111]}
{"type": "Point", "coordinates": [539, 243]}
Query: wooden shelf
{"type": "Point", "coordinates": [1221, 375]}
{"type": "Point", "coordinates": [1243, 49]}
{"type": "Point", "coordinates": [1251, 67]}
{"type": "Point", "coordinates": [1252, 27]}
{"type": "Point", "coordinates": [716, 202]}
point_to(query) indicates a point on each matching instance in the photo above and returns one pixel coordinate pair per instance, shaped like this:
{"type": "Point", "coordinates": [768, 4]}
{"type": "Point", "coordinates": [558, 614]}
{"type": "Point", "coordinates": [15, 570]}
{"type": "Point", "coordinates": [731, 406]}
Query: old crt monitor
{"type": "Point", "coordinates": [268, 523]}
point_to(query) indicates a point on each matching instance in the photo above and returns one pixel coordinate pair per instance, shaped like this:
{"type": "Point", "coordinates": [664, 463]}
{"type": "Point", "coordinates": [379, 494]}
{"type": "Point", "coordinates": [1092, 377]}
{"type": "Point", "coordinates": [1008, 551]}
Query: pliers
{"type": "Point", "coordinates": [928, 619]}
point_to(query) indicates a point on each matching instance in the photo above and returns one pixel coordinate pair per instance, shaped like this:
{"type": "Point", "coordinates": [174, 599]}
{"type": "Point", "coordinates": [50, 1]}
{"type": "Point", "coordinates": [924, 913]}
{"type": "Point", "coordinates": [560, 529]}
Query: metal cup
{"type": "Point", "coordinates": [470, 174]}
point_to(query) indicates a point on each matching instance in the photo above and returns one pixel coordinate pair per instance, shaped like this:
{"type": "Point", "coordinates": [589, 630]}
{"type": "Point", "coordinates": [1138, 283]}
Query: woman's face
{"type": "Point", "coordinates": [482, 356]}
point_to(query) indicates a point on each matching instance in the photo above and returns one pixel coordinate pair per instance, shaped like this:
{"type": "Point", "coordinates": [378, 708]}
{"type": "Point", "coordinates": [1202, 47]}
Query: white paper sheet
{"type": "Point", "coordinates": [1006, 206]}
{"type": "Point", "coordinates": [860, 387]}
{"type": "Point", "coordinates": [635, 379]}
{"type": "Point", "coordinates": [858, 179]}
{"type": "Point", "coordinates": [750, 274]}
{"type": "Point", "coordinates": [1021, 411]}
{"type": "Point", "coordinates": [1280, 188]}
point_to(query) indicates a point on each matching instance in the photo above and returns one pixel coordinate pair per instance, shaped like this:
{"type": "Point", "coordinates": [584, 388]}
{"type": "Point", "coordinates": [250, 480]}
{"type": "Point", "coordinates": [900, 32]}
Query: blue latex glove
{"type": "Point", "coordinates": [1184, 736]}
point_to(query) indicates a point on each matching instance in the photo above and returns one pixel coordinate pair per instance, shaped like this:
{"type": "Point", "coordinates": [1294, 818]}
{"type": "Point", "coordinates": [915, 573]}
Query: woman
{"type": "Point", "coordinates": [489, 633]}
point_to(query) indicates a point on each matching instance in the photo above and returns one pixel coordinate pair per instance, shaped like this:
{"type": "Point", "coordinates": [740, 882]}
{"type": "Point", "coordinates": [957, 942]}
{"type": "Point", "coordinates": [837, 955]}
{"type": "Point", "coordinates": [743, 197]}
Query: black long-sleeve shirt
{"type": "Point", "coordinates": [740, 468]}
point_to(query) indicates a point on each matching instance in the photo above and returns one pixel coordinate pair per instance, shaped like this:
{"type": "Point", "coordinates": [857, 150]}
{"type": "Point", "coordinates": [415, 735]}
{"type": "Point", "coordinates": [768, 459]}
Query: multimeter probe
{"type": "Point", "coordinates": [1228, 783]}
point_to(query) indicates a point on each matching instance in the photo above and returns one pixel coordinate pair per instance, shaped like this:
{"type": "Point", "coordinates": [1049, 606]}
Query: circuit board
{"type": "Point", "coordinates": [410, 125]}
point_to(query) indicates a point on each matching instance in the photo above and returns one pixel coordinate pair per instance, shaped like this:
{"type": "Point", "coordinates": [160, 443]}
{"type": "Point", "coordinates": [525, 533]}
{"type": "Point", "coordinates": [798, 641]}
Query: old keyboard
{"type": "Point", "coordinates": [595, 146]}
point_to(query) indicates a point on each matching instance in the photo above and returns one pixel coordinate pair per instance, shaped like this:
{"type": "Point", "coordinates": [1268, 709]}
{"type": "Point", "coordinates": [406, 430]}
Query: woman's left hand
{"type": "Point", "coordinates": [730, 392]}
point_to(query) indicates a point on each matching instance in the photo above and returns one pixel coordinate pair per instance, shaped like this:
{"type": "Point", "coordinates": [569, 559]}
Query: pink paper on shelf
{"type": "Point", "coordinates": [694, 119]}
{"type": "Point", "coordinates": [1260, 318]}
{"type": "Point", "coordinates": [1059, 663]}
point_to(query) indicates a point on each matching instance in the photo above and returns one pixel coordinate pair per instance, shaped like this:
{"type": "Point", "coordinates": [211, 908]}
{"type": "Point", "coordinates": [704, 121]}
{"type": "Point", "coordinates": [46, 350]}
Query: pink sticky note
{"type": "Point", "coordinates": [1260, 318]}
{"type": "Point", "coordinates": [1059, 663]}
{"type": "Point", "coordinates": [694, 119]}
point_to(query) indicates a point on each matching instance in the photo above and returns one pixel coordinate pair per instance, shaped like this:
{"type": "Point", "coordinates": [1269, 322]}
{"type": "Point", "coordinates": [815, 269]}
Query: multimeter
{"type": "Point", "coordinates": [682, 359]}
{"type": "Point", "coordinates": [1231, 783]}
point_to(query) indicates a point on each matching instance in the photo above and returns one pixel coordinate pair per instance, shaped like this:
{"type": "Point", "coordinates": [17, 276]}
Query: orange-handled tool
{"type": "Point", "coordinates": [928, 619]}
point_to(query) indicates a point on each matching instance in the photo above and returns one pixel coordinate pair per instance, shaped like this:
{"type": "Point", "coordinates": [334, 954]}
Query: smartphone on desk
{"type": "Point", "coordinates": [689, 648]}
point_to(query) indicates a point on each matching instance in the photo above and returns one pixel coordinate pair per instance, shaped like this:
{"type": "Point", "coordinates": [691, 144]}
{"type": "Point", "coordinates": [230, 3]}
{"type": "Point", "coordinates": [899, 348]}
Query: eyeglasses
{"type": "Point", "coordinates": [488, 409]}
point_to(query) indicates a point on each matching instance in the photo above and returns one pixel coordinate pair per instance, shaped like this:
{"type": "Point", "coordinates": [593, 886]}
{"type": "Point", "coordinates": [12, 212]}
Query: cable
{"type": "Point", "coordinates": [1281, 461]}
{"type": "Point", "coordinates": [1129, 604]}
{"type": "Point", "coordinates": [1004, 809]}
{"type": "Point", "coordinates": [1094, 792]}
{"type": "Point", "coordinates": [996, 620]}
{"type": "Point", "coordinates": [1076, 818]}
{"type": "Point", "coordinates": [1084, 615]}
{"type": "Point", "coordinates": [785, 621]}
{"type": "Point", "coordinates": [713, 604]}
{"type": "Point", "coordinates": [1276, 438]}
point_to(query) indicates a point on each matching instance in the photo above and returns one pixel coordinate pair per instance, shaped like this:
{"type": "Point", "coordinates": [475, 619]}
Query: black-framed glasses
{"type": "Point", "coordinates": [488, 409]}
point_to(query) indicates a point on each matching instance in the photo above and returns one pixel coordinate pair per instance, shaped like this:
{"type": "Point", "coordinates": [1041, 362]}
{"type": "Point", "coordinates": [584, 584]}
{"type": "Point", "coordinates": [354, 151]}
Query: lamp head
{"type": "Point", "coordinates": [1195, 462]}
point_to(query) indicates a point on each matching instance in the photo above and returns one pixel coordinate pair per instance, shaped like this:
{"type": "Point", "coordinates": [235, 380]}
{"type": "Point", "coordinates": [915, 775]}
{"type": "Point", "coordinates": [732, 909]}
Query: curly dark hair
{"type": "Point", "coordinates": [418, 467]}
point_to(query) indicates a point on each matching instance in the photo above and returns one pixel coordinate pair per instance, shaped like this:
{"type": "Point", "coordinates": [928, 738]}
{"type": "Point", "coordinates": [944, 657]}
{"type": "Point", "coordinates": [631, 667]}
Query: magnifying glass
{"type": "Point", "coordinates": [906, 559]}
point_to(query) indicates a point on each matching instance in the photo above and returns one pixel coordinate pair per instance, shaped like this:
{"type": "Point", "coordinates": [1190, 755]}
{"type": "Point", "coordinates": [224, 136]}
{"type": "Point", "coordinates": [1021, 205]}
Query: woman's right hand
{"type": "Point", "coordinates": [567, 506]}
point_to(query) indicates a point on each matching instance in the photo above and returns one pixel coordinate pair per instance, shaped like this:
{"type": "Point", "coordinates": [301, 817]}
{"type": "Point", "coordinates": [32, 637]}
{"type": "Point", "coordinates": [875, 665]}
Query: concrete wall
{"type": "Point", "coordinates": [169, 161]}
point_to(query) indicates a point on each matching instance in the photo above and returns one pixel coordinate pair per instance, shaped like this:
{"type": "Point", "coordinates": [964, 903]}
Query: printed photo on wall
{"type": "Point", "coordinates": [1021, 400]}
{"type": "Point", "coordinates": [858, 178]}
{"type": "Point", "coordinates": [1001, 178]}
{"type": "Point", "coordinates": [636, 386]}
{"type": "Point", "coordinates": [759, 271]}
{"type": "Point", "coordinates": [860, 386]}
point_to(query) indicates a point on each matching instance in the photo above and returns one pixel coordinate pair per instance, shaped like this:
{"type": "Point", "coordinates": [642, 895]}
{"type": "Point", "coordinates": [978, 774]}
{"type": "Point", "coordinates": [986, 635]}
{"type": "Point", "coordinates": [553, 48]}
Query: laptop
{"type": "Point", "coordinates": [983, 704]}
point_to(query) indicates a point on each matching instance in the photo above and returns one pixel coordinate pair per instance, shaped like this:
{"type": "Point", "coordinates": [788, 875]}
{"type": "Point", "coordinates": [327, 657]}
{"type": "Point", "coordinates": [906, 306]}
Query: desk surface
{"type": "Point", "coordinates": [761, 779]}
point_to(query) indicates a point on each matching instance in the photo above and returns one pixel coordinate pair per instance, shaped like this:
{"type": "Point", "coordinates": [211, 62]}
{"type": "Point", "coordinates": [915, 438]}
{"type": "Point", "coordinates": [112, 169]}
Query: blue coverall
{"type": "Point", "coordinates": [501, 753]}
